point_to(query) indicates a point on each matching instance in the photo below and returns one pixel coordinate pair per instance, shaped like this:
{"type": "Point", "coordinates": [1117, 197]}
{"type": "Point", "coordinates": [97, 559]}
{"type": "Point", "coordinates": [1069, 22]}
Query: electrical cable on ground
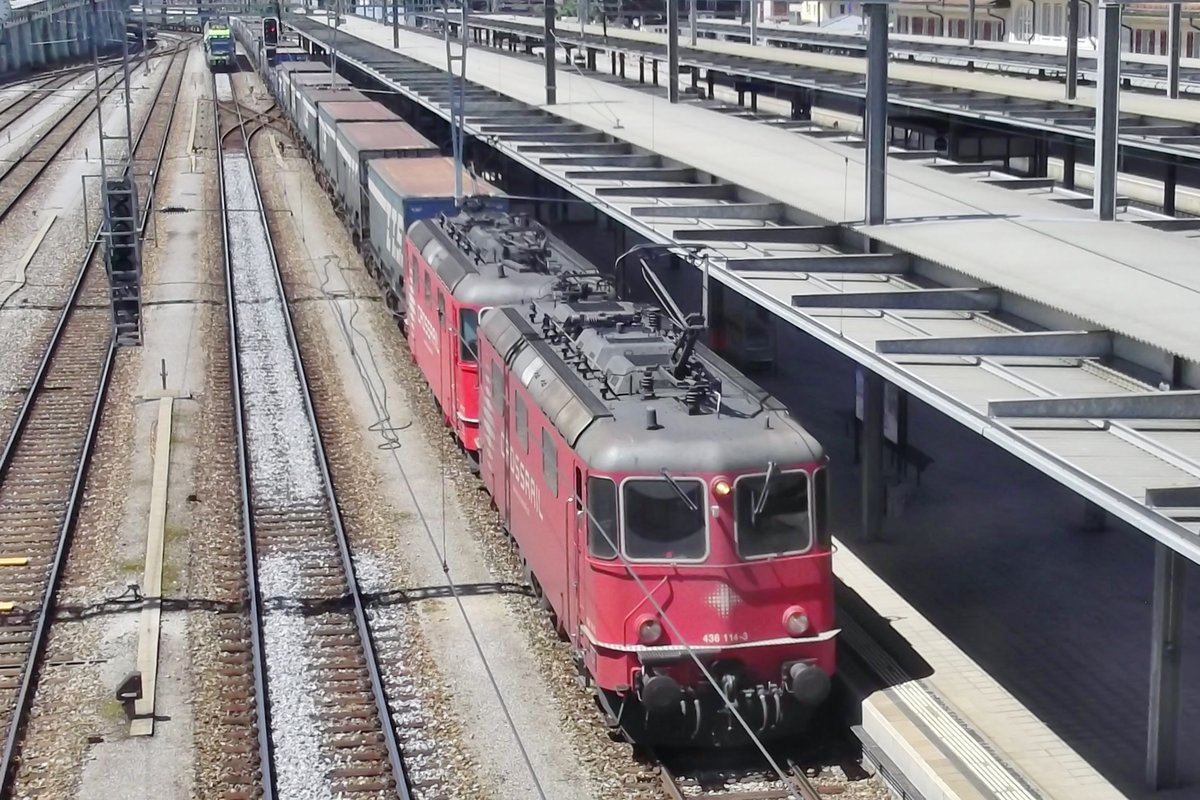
{"type": "Point", "coordinates": [392, 445]}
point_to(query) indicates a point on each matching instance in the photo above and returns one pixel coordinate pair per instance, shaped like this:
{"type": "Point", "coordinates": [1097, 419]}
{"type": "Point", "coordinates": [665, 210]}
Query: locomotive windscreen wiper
{"type": "Point", "coordinates": [679, 491]}
{"type": "Point", "coordinates": [766, 490]}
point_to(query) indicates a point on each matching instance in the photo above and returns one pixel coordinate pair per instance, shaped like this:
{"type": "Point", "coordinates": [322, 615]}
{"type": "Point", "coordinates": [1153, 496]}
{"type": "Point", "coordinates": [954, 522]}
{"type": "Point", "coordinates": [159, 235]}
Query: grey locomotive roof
{"type": "Point", "coordinates": [492, 258]}
{"type": "Point", "coordinates": [596, 367]}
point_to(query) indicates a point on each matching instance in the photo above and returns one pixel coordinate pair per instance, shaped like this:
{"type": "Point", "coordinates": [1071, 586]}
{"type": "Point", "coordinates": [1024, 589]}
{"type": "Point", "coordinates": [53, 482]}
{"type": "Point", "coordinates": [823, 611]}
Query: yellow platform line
{"type": "Point", "coordinates": [148, 625]}
{"type": "Point", "coordinates": [14, 561]}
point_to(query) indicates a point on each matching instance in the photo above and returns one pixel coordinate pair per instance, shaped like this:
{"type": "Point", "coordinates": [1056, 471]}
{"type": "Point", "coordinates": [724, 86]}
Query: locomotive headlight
{"type": "Point", "coordinates": [649, 631]}
{"type": "Point", "coordinates": [795, 620]}
{"type": "Point", "coordinates": [721, 488]}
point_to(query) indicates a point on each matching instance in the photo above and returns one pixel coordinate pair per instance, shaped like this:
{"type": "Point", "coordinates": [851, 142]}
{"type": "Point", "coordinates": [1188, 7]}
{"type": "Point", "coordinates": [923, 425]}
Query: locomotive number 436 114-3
{"type": "Point", "coordinates": [725, 638]}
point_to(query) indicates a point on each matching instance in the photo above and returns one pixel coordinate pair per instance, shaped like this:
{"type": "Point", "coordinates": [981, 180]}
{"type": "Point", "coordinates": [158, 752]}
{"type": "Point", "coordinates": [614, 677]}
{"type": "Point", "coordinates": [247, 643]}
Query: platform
{"type": "Point", "coordinates": [1102, 273]}
{"type": "Point", "coordinates": [948, 726]}
{"type": "Point", "coordinates": [1042, 60]}
{"type": "Point", "coordinates": [1150, 124]}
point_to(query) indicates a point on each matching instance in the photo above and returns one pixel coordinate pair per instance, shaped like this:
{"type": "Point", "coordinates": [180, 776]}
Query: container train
{"type": "Point", "coordinates": [670, 514]}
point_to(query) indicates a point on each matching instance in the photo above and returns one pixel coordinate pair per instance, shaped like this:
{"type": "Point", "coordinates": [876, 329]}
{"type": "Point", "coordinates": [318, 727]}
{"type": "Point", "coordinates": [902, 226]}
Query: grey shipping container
{"type": "Point", "coordinates": [322, 136]}
{"type": "Point", "coordinates": [401, 191]}
{"type": "Point", "coordinates": [309, 80]}
{"type": "Point", "coordinates": [310, 98]}
{"type": "Point", "coordinates": [359, 142]}
{"type": "Point", "coordinates": [281, 77]}
{"type": "Point", "coordinates": [308, 108]}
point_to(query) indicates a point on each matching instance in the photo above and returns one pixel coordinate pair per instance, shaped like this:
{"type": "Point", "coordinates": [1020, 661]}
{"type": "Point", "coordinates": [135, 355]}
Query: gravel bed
{"type": "Point", "coordinates": [276, 416]}
{"type": "Point", "coordinates": [427, 726]}
{"type": "Point", "coordinates": [73, 701]}
{"type": "Point", "coordinates": [73, 706]}
{"type": "Point", "coordinates": [31, 299]}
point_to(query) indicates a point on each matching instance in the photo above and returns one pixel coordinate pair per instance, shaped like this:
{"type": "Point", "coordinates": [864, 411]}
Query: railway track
{"type": "Point", "coordinates": [25, 102]}
{"type": "Point", "coordinates": [23, 172]}
{"type": "Point", "coordinates": [704, 781]}
{"type": "Point", "coordinates": [44, 464]}
{"type": "Point", "coordinates": [319, 711]}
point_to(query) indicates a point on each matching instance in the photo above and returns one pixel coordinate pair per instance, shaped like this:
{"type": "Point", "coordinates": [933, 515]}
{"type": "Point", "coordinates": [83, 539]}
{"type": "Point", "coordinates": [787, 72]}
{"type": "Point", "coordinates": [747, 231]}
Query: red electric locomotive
{"type": "Point", "coordinates": [670, 512]}
{"type": "Point", "coordinates": [460, 265]}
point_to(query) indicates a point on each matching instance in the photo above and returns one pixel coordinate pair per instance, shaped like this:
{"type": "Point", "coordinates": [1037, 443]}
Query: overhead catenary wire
{"type": "Point", "coordinates": [370, 373]}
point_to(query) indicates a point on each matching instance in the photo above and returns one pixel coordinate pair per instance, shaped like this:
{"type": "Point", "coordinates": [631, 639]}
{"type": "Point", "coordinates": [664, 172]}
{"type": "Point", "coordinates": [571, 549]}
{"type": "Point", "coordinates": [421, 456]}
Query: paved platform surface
{"type": "Point", "coordinates": [1107, 274]}
{"type": "Point", "coordinates": [1010, 86]}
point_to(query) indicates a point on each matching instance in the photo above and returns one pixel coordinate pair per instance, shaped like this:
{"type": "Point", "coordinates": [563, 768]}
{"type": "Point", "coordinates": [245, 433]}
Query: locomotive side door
{"type": "Point", "coordinates": [576, 528]}
{"type": "Point", "coordinates": [445, 370]}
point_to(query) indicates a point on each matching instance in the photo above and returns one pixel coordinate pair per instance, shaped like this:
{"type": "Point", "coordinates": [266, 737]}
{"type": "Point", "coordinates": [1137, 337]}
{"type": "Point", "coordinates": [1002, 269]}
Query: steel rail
{"type": "Point", "coordinates": [23, 103]}
{"type": "Point", "coordinates": [32, 666]}
{"type": "Point", "coordinates": [49, 158]}
{"type": "Point", "coordinates": [257, 650]}
{"type": "Point", "coordinates": [362, 625]}
{"type": "Point", "coordinates": [35, 386]}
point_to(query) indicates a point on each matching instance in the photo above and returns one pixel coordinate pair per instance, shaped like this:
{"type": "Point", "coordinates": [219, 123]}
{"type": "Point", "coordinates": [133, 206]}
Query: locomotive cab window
{"type": "Point", "coordinates": [664, 519]}
{"type": "Point", "coordinates": [772, 513]}
{"type": "Point", "coordinates": [428, 288]}
{"type": "Point", "coordinates": [468, 338]}
{"type": "Point", "coordinates": [602, 517]}
{"type": "Point", "coordinates": [820, 506]}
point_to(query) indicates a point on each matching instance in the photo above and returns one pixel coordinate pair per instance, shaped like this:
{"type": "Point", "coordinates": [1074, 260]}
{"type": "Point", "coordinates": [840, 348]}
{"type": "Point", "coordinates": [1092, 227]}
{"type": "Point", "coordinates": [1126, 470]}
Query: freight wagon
{"type": "Point", "coordinates": [359, 143]}
{"type": "Point", "coordinates": [399, 193]}
{"type": "Point", "coordinates": [321, 135]}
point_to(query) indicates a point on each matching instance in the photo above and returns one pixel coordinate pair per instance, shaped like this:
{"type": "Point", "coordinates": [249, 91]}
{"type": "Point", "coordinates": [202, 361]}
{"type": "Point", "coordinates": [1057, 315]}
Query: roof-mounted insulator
{"type": "Point", "coordinates": [648, 385]}
{"type": "Point", "coordinates": [693, 397]}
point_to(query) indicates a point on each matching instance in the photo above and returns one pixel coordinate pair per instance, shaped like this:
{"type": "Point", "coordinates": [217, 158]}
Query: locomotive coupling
{"type": "Point", "coordinates": [808, 683]}
{"type": "Point", "coordinates": [660, 692]}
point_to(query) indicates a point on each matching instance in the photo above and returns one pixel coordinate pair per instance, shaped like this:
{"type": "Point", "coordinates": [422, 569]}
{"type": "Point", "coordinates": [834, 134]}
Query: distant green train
{"type": "Point", "coordinates": [218, 45]}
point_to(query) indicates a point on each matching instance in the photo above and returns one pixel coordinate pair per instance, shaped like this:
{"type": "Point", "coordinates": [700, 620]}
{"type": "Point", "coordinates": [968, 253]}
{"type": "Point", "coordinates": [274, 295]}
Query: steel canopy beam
{"type": "Point", "coordinates": [681, 174]}
{"type": "Point", "coordinates": [1107, 111]}
{"type": "Point", "coordinates": [762, 211]}
{"type": "Point", "coordinates": [1140, 405]}
{"type": "Point", "coordinates": [1174, 497]}
{"type": "Point", "coordinates": [910, 300]}
{"type": "Point", "coordinates": [1174, 24]}
{"type": "Point", "coordinates": [861, 263]}
{"type": "Point", "coordinates": [701, 191]}
{"type": "Point", "coordinates": [1052, 344]}
{"type": "Point", "coordinates": [1166, 668]}
{"type": "Point", "coordinates": [877, 111]}
{"type": "Point", "coordinates": [649, 161]}
{"type": "Point", "coordinates": [1021, 183]}
{"type": "Point", "coordinates": [802, 234]}
{"type": "Point", "coordinates": [596, 148]}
